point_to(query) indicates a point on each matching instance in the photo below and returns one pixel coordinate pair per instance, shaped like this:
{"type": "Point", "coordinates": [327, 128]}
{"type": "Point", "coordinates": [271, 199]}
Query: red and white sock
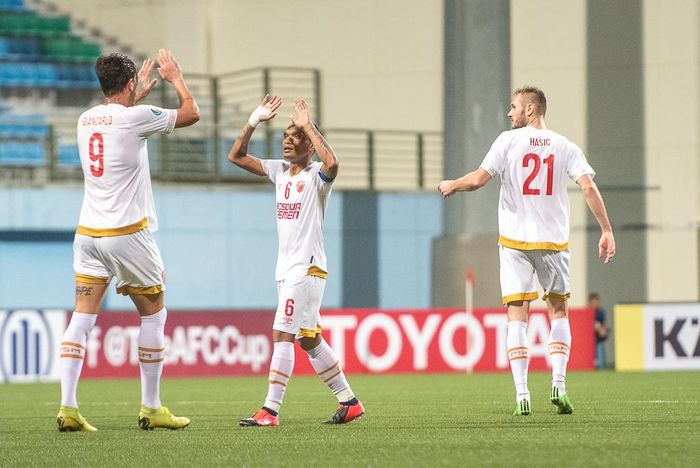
{"type": "Point", "coordinates": [519, 356]}
{"type": "Point", "coordinates": [151, 356]}
{"type": "Point", "coordinates": [72, 355]}
{"type": "Point", "coordinates": [281, 367]}
{"type": "Point", "coordinates": [327, 365]}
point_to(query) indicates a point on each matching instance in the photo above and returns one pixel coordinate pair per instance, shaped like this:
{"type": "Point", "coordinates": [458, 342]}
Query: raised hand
{"type": "Point", "coordinates": [168, 67]}
{"type": "Point", "coordinates": [266, 110]}
{"type": "Point", "coordinates": [301, 109]}
{"type": "Point", "coordinates": [145, 83]}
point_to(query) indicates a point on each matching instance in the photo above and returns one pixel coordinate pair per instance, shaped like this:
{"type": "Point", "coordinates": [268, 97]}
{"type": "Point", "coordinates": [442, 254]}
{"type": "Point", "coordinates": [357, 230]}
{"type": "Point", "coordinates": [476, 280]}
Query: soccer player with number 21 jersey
{"type": "Point", "coordinates": [534, 164]}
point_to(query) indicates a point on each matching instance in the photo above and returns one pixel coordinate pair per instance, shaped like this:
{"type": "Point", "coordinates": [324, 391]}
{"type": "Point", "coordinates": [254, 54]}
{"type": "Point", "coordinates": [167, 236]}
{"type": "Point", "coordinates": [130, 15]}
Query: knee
{"type": "Point", "coordinates": [278, 336]}
{"type": "Point", "coordinates": [307, 344]}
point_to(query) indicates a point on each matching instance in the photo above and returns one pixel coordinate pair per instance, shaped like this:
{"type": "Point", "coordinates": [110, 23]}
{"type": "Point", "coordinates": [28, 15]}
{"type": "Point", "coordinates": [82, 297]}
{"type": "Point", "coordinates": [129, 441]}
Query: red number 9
{"type": "Point", "coordinates": [97, 155]}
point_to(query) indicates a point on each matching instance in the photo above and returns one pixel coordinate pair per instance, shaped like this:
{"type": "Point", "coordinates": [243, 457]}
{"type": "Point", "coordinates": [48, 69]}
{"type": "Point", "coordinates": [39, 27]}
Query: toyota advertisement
{"type": "Point", "coordinates": [229, 343]}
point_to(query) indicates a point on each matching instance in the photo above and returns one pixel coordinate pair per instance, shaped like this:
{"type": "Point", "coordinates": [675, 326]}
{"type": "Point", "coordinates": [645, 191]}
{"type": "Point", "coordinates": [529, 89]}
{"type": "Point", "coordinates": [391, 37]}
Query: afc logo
{"type": "Point", "coordinates": [27, 345]}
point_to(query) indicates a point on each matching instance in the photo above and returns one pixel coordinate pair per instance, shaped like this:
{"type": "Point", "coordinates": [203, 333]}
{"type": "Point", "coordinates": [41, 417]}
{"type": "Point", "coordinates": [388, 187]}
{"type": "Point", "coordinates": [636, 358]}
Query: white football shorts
{"type": "Point", "coordinates": [299, 306]}
{"type": "Point", "coordinates": [134, 259]}
{"type": "Point", "coordinates": [518, 268]}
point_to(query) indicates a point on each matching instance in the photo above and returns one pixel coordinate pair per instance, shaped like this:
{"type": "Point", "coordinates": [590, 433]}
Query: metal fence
{"type": "Point", "coordinates": [371, 159]}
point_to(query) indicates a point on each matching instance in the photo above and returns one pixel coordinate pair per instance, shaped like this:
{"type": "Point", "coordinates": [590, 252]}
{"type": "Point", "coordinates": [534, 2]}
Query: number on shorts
{"type": "Point", "coordinates": [289, 308]}
{"type": "Point", "coordinates": [549, 161]}
{"type": "Point", "coordinates": [97, 155]}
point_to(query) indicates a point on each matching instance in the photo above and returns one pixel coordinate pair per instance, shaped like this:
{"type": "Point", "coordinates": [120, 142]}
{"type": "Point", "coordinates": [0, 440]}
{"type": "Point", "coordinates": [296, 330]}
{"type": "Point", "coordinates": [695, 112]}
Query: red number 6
{"type": "Point", "coordinates": [289, 308]}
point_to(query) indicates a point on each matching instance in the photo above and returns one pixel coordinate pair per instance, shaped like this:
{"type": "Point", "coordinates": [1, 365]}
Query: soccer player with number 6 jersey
{"type": "Point", "coordinates": [302, 190]}
{"type": "Point", "coordinates": [534, 164]}
{"type": "Point", "coordinates": [114, 238]}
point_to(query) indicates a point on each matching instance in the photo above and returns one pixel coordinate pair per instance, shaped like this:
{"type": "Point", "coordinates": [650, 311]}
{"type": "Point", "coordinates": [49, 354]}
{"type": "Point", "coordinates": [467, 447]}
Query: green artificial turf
{"type": "Point", "coordinates": [620, 419]}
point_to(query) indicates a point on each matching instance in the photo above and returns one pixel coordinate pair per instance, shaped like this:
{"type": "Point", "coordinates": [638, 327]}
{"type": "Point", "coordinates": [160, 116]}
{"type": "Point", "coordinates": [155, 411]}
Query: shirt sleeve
{"type": "Point", "coordinates": [494, 162]}
{"type": "Point", "coordinates": [149, 120]}
{"type": "Point", "coordinates": [577, 165]}
{"type": "Point", "coordinates": [321, 180]}
{"type": "Point", "coordinates": [272, 167]}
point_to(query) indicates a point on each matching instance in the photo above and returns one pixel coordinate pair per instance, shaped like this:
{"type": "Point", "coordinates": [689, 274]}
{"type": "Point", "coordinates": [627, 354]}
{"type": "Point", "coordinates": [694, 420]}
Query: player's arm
{"type": "Point", "coordinates": [467, 183]}
{"type": "Point", "coordinates": [324, 151]}
{"type": "Point", "coordinates": [169, 69]}
{"type": "Point", "coordinates": [606, 245]}
{"type": "Point", "coordinates": [239, 151]}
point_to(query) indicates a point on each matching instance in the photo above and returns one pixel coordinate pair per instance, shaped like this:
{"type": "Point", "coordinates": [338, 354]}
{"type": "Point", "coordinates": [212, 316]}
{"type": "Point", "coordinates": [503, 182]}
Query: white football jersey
{"type": "Point", "coordinates": [301, 207]}
{"type": "Point", "coordinates": [533, 207]}
{"type": "Point", "coordinates": [113, 153]}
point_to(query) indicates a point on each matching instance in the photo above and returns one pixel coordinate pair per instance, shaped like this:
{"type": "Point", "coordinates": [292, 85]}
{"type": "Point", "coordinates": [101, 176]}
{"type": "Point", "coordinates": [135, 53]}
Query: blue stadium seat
{"type": "Point", "coordinates": [25, 154]}
{"type": "Point", "coordinates": [45, 75]}
{"type": "Point", "coordinates": [64, 76]}
{"type": "Point", "coordinates": [15, 5]}
{"type": "Point", "coordinates": [25, 48]}
{"type": "Point", "coordinates": [68, 155]}
{"type": "Point", "coordinates": [5, 48]}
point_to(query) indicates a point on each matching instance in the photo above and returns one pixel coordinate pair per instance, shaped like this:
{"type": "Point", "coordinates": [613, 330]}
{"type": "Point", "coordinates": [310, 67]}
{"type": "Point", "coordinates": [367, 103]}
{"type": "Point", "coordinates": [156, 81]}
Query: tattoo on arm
{"type": "Point", "coordinates": [323, 141]}
{"type": "Point", "coordinates": [83, 291]}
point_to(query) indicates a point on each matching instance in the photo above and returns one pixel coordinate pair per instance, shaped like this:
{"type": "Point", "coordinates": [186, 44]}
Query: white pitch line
{"type": "Point", "coordinates": [661, 402]}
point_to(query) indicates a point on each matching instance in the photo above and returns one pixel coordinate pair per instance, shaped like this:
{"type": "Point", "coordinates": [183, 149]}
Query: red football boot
{"type": "Point", "coordinates": [261, 418]}
{"type": "Point", "coordinates": [346, 413]}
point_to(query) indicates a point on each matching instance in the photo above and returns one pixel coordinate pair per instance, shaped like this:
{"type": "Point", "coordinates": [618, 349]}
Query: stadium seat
{"type": "Point", "coordinates": [23, 131]}
{"type": "Point", "coordinates": [25, 48]}
{"type": "Point", "coordinates": [25, 154]}
{"type": "Point", "coordinates": [45, 75]}
{"type": "Point", "coordinates": [12, 5]}
{"type": "Point", "coordinates": [68, 155]}
{"type": "Point", "coordinates": [5, 48]}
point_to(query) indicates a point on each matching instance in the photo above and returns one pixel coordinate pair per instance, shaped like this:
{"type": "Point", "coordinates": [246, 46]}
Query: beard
{"type": "Point", "coordinates": [515, 124]}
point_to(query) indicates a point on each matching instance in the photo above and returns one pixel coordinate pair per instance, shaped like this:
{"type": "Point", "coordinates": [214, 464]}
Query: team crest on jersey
{"type": "Point", "coordinates": [300, 186]}
{"type": "Point", "coordinates": [156, 112]}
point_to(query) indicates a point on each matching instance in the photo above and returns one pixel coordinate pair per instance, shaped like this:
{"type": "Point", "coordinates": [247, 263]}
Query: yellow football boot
{"type": "Point", "coordinates": [70, 420]}
{"type": "Point", "coordinates": [162, 417]}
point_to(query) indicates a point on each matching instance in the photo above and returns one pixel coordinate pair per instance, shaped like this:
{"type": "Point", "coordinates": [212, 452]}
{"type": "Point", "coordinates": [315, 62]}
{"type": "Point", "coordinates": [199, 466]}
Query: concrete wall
{"type": "Point", "coordinates": [219, 247]}
{"type": "Point", "coordinates": [672, 106]}
{"type": "Point", "coordinates": [554, 59]}
{"type": "Point", "coordinates": [380, 61]}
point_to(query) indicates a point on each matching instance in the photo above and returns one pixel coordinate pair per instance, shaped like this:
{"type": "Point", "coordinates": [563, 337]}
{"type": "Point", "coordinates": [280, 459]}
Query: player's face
{"type": "Point", "coordinates": [518, 112]}
{"type": "Point", "coordinates": [296, 145]}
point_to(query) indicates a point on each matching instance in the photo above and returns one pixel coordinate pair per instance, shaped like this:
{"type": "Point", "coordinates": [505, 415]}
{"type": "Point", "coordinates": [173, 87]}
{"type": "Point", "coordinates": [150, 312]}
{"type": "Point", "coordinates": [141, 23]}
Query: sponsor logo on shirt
{"type": "Point", "coordinates": [288, 210]}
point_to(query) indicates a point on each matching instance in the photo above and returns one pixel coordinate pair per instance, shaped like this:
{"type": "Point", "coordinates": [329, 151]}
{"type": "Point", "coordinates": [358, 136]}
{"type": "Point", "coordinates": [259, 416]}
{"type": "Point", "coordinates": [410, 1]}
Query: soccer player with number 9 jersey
{"type": "Point", "coordinates": [114, 237]}
{"type": "Point", "coordinates": [534, 165]}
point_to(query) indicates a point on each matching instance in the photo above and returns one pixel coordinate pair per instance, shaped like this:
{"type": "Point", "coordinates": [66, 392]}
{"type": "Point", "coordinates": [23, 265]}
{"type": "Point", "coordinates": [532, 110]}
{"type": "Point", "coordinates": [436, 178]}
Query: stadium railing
{"type": "Point", "coordinates": [372, 159]}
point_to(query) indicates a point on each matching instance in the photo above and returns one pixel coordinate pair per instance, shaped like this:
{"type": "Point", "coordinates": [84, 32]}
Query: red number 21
{"type": "Point", "coordinates": [549, 161]}
{"type": "Point", "coordinates": [97, 154]}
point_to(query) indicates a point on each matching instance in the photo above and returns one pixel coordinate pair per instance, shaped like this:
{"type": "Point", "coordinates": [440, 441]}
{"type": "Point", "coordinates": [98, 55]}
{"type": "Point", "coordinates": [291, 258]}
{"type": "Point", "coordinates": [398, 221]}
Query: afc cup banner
{"type": "Point", "coordinates": [657, 336]}
{"type": "Point", "coordinates": [228, 343]}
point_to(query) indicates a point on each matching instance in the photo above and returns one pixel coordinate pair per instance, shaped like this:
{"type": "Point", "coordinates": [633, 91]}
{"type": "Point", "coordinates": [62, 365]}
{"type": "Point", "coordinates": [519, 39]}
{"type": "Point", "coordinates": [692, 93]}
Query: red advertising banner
{"type": "Point", "coordinates": [220, 343]}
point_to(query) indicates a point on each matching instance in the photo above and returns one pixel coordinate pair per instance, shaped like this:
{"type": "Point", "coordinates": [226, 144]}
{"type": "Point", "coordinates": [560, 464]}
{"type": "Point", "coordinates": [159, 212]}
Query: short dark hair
{"type": "Point", "coordinates": [114, 71]}
{"type": "Point", "coordinates": [536, 94]}
{"type": "Point", "coordinates": [593, 296]}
